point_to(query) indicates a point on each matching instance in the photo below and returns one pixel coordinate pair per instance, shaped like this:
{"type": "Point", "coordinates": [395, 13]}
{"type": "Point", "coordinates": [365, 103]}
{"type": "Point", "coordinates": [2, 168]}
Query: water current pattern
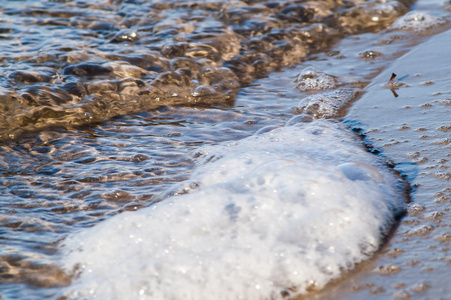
{"type": "Point", "coordinates": [69, 63]}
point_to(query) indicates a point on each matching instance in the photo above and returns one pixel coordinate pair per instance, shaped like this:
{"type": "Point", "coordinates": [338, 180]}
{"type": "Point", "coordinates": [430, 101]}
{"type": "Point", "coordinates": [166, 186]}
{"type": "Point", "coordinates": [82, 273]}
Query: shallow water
{"type": "Point", "coordinates": [62, 170]}
{"type": "Point", "coordinates": [71, 63]}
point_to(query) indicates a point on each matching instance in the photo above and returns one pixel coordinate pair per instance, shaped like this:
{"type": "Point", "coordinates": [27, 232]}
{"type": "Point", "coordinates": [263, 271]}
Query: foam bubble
{"type": "Point", "coordinates": [274, 215]}
{"type": "Point", "coordinates": [327, 104]}
{"type": "Point", "coordinates": [418, 21]}
{"type": "Point", "coordinates": [313, 79]}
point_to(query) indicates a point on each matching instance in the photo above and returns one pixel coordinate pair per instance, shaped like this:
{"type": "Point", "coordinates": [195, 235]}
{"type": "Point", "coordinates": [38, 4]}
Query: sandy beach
{"type": "Point", "coordinates": [412, 130]}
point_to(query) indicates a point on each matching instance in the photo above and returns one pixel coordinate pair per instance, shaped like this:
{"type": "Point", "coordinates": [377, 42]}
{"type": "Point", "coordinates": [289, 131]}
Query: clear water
{"type": "Point", "coordinates": [101, 102]}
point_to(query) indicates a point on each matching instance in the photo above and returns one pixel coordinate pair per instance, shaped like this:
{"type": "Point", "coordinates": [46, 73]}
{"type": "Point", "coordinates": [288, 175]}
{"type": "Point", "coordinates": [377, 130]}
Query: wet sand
{"type": "Point", "coordinates": [412, 130]}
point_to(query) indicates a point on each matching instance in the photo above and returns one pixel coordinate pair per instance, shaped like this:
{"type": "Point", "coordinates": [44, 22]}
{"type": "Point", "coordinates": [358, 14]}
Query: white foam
{"type": "Point", "coordinates": [418, 21]}
{"type": "Point", "coordinates": [313, 79]}
{"type": "Point", "coordinates": [274, 214]}
{"type": "Point", "coordinates": [326, 104]}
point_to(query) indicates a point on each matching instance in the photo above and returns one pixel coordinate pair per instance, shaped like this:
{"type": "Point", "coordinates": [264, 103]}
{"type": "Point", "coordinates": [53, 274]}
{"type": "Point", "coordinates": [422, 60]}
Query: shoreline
{"type": "Point", "coordinates": [413, 131]}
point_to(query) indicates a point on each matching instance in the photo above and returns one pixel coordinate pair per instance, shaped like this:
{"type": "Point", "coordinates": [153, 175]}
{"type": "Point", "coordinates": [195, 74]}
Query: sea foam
{"type": "Point", "coordinates": [418, 21]}
{"type": "Point", "coordinates": [313, 79]}
{"type": "Point", "coordinates": [273, 215]}
{"type": "Point", "coordinates": [327, 104]}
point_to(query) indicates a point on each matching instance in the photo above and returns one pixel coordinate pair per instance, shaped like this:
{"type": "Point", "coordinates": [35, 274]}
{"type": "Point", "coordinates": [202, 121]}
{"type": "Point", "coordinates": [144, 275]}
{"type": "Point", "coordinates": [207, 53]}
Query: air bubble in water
{"type": "Point", "coordinates": [313, 79]}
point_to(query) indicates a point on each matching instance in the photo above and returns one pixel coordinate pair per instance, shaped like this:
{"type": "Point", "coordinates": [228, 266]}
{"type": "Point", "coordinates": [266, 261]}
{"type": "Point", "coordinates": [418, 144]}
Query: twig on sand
{"type": "Point", "coordinates": [393, 75]}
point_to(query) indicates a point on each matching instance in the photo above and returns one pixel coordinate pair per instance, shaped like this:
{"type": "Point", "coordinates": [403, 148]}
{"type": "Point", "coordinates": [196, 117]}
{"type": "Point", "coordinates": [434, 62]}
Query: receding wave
{"type": "Point", "coordinates": [72, 63]}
